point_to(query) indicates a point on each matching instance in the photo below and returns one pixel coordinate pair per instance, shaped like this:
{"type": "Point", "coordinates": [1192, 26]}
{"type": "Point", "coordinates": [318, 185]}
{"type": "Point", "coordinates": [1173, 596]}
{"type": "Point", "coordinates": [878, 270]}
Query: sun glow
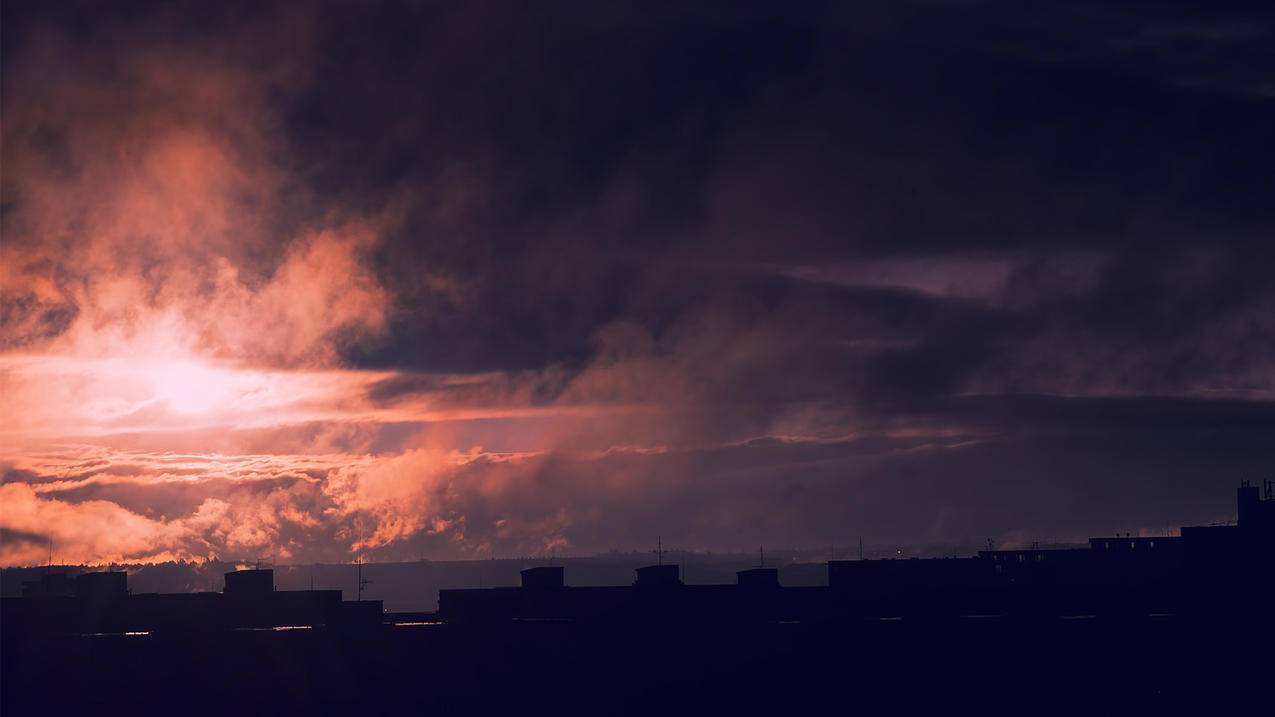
{"type": "Point", "coordinates": [70, 396]}
{"type": "Point", "coordinates": [92, 395]}
{"type": "Point", "coordinates": [191, 387]}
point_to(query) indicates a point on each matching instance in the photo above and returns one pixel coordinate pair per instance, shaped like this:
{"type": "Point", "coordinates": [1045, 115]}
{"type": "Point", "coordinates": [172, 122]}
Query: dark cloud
{"type": "Point", "coordinates": [729, 272]}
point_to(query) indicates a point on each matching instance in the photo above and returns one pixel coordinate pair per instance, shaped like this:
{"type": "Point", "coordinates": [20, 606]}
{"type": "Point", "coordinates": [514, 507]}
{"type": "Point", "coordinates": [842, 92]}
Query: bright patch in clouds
{"type": "Point", "coordinates": [64, 396]}
{"type": "Point", "coordinates": [193, 388]}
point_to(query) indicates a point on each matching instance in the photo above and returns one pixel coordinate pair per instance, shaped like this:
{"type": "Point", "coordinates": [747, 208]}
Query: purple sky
{"type": "Point", "coordinates": [318, 280]}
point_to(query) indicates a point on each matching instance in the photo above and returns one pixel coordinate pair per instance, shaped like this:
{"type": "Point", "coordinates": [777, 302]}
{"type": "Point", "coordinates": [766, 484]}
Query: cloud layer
{"type": "Point", "coordinates": [411, 280]}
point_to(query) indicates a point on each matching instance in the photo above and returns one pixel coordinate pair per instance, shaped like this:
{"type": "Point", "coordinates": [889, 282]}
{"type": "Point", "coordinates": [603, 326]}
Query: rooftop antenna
{"type": "Point", "coordinates": [861, 547]}
{"type": "Point", "coordinates": [659, 550]}
{"type": "Point", "coordinates": [362, 581]}
{"type": "Point", "coordinates": [761, 555]}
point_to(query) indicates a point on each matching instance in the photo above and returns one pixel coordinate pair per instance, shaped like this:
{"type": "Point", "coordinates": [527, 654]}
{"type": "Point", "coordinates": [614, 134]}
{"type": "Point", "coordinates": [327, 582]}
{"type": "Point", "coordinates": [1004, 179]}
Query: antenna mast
{"type": "Point", "coordinates": [362, 582]}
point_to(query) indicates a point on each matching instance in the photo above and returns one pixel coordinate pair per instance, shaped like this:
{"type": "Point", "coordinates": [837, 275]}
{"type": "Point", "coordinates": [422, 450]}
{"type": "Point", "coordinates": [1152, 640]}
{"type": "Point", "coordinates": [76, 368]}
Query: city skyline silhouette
{"type": "Point", "coordinates": [607, 356]}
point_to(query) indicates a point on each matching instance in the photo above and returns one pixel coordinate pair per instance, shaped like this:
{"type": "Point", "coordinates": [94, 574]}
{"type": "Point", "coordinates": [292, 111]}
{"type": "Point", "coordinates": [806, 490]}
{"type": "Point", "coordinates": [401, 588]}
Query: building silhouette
{"type": "Point", "coordinates": [1119, 576]}
{"type": "Point", "coordinates": [1005, 628]}
{"type": "Point", "coordinates": [101, 604]}
{"type": "Point", "coordinates": [1194, 572]}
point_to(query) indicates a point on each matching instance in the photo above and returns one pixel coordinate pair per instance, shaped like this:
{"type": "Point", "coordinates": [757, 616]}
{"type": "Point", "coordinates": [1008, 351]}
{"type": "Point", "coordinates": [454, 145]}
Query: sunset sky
{"type": "Point", "coordinates": [312, 281]}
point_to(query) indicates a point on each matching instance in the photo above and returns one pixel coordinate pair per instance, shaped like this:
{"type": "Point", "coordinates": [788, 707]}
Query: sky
{"type": "Point", "coordinates": [396, 280]}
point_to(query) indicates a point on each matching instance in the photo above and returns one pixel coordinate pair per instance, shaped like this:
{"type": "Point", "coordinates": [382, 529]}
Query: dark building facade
{"type": "Point", "coordinates": [101, 604]}
{"type": "Point", "coordinates": [1116, 576]}
{"type": "Point", "coordinates": [249, 584]}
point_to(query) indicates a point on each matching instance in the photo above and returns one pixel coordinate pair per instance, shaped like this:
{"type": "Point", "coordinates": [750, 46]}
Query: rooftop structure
{"type": "Point", "coordinates": [542, 577]}
{"type": "Point", "coordinates": [758, 577]}
{"type": "Point", "coordinates": [658, 576]}
{"type": "Point", "coordinates": [249, 583]}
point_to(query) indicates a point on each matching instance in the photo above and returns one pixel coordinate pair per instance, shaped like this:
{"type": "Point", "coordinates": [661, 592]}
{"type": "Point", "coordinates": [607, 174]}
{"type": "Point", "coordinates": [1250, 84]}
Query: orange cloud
{"type": "Point", "coordinates": [178, 300]}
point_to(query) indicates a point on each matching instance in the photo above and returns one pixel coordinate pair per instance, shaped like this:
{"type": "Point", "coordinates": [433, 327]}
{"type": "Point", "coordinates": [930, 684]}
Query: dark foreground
{"type": "Point", "coordinates": [1129, 625]}
{"type": "Point", "coordinates": [1142, 665]}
